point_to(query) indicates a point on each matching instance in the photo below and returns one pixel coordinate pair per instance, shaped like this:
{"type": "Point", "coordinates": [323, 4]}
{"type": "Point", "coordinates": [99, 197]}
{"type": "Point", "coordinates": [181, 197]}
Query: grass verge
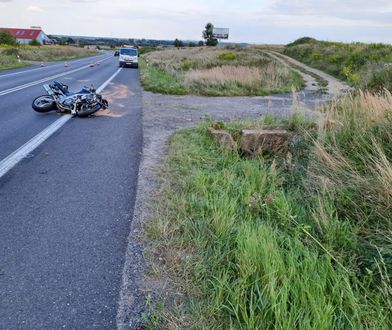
{"type": "Point", "coordinates": [9, 55]}
{"type": "Point", "coordinates": [300, 241]}
{"type": "Point", "coordinates": [216, 72]}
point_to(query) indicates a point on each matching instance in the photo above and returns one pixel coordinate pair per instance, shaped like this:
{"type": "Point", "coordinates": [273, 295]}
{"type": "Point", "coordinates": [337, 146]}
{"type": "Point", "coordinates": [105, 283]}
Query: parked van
{"type": "Point", "coordinates": [128, 56]}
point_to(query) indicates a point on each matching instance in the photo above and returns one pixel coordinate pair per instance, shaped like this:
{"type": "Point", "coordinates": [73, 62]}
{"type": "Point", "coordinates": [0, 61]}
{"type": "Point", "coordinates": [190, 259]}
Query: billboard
{"type": "Point", "coordinates": [220, 33]}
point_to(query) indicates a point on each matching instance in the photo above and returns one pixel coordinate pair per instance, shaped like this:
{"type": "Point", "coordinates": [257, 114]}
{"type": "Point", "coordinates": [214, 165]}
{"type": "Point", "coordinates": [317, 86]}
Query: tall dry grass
{"type": "Point", "coordinates": [51, 53]}
{"type": "Point", "coordinates": [43, 53]}
{"type": "Point", "coordinates": [350, 174]}
{"type": "Point", "coordinates": [269, 76]}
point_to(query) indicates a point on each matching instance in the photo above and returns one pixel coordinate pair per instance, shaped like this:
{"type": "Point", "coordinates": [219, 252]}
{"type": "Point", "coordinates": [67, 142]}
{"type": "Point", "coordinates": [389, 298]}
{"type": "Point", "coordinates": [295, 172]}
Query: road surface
{"type": "Point", "coordinates": [65, 208]}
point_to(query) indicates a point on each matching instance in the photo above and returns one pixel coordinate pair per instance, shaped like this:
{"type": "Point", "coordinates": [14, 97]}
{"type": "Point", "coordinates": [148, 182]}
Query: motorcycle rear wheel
{"type": "Point", "coordinates": [44, 103]}
{"type": "Point", "coordinates": [89, 111]}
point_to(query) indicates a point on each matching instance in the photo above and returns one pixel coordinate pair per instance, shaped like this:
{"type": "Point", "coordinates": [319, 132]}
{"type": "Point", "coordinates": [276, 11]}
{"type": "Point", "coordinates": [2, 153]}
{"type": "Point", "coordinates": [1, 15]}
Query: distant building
{"type": "Point", "coordinates": [24, 36]}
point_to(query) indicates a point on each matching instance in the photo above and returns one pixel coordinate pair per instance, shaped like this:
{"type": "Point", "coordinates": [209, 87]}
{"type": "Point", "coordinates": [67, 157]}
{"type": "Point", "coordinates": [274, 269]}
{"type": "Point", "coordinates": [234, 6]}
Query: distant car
{"type": "Point", "coordinates": [116, 53]}
{"type": "Point", "coordinates": [128, 56]}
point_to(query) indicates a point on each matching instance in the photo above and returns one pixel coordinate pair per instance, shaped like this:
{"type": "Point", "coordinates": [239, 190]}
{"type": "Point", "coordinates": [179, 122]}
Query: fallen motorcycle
{"type": "Point", "coordinates": [81, 104]}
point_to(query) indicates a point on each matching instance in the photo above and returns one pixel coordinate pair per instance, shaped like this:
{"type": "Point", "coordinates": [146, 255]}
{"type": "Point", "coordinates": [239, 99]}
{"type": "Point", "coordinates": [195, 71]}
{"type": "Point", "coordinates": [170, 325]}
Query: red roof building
{"type": "Point", "coordinates": [24, 36]}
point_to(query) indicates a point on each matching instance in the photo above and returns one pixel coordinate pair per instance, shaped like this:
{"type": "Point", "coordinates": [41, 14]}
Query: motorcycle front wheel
{"type": "Point", "coordinates": [44, 103]}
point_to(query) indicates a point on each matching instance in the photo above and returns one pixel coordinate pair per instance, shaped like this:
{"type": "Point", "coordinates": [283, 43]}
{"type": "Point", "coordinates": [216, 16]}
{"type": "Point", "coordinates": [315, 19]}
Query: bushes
{"type": "Point", "coordinates": [350, 62]}
{"type": "Point", "coordinates": [6, 38]}
{"type": "Point", "coordinates": [227, 56]}
{"type": "Point", "coordinates": [34, 43]}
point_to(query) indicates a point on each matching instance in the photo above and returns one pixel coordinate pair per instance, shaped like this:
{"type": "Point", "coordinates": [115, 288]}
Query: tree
{"type": "Point", "coordinates": [200, 43]}
{"type": "Point", "coordinates": [178, 43]}
{"type": "Point", "coordinates": [6, 38]}
{"type": "Point", "coordinates": [207, 35]}
{"type": "Point", "coordinates": [191, 44]}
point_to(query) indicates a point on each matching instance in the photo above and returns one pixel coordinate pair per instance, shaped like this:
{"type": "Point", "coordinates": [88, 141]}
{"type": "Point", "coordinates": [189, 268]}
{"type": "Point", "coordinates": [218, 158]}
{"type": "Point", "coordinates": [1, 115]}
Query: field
{"type": "Point", "coordinates": [9, 59]}
{"type": "Point", "coordinates": [365, 66]}
{"type": "Point", "coordinates": [300, 240]}
{"type": "Point", "coordinates": [216, 72]}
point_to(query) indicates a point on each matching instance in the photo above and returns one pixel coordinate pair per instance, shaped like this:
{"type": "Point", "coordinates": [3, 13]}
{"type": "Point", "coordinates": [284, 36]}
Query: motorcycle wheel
{"type": "Point", "coordinates": [84, 112]}
{"type": "Point", "coordinates": [44, 103]}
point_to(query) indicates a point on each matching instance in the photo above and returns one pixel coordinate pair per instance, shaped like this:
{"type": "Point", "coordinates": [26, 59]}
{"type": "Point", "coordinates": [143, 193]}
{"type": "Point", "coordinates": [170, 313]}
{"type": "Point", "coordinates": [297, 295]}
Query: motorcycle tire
{"type": "Point", "coordinates": [44, 103]}
{"type": "Point", "coordinates": [89, 111]}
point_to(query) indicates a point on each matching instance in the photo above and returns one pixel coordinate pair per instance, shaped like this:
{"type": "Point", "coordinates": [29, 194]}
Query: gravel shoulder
{"type": "Point", "coordinates": [162, 116]}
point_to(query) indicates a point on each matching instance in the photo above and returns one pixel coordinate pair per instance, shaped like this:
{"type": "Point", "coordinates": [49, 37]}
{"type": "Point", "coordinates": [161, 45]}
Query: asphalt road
{"type": "Point", "coordinates": [65, 209]}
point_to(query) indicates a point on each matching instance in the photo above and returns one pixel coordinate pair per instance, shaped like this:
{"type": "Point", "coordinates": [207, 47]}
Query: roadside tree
{"type": "Point", "coordinates": [6, 38]}
{"type": "Point", "coordinates": [178, 43]}
{"type": "Point", "coordinates": [207, 35]}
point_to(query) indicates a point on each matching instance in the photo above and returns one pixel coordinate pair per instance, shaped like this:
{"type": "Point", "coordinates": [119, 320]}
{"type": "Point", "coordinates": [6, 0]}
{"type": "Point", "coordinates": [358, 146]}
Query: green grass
{"type": "Point", "coordinates": [11, 63]}
{"type": "Point", "coordinates": [160, 81]}
{"type": "Point", "coordinates": [365, 66]}
{"type": "Point", "coordinates": [295, 242]}
{"type": "Point", "coordinates": [214, 72]}
{"type": "Point", "coordinates": [147, 49]}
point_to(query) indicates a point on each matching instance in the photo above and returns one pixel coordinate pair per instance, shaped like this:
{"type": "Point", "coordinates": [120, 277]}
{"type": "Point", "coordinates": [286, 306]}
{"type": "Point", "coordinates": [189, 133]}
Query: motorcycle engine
{"type": "Point", "coordinates": [89, 98]}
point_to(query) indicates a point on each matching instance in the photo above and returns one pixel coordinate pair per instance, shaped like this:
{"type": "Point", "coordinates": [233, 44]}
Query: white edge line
{"type": "Point", "coordinates": [14, 158]}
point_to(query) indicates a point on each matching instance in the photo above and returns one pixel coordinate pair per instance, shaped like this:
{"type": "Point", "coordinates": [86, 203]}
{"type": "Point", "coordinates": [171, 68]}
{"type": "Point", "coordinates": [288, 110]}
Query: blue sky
{"type": "Point", "coordinates": [262, 21]}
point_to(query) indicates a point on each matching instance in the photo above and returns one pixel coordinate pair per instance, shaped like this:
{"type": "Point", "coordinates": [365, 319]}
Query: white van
{"type": "Point", "coordinates": [128, 56]}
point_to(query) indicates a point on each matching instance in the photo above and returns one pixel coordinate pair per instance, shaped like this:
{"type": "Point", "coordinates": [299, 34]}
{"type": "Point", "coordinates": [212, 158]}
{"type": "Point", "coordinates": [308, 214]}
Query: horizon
{"type": "Point", "coordinates": [267, 21]}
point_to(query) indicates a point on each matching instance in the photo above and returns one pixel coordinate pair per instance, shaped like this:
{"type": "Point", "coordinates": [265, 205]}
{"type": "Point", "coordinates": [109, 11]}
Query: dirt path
{"type": "Point", "coordinates": [335, 86]}
{"type": "Point", "coordinates": [165, 114]}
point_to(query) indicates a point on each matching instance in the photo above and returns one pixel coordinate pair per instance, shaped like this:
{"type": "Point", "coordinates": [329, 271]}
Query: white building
{"type": "Point", "coordinates": [24, 36]}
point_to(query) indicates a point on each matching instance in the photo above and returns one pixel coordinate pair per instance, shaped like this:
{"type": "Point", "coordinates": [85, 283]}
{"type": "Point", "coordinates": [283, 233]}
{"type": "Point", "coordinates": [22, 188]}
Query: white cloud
{"type": "Point", "coordinates": [34, 8]}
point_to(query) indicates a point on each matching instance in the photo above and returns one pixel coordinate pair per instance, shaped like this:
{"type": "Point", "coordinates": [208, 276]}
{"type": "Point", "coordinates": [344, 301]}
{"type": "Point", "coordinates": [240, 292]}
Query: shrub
{"type": "Point", "coordinates": [304, 40]}
{"type": "Point", "coordinates": [34, 43]}
{"type": "Point", "coordinates": [6, 38]}
{"type": "Point", "coordinates": [227, 56]}
{"type": "Point", "coordinates": [10, 51]}
{"type": "Point", "coordinates": [147, 49]}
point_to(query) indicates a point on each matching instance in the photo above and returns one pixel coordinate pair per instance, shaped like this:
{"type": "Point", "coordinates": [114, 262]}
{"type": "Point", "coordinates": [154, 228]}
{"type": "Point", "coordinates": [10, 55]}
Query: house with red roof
{"type": "Point", "coordinates": [24, 36]}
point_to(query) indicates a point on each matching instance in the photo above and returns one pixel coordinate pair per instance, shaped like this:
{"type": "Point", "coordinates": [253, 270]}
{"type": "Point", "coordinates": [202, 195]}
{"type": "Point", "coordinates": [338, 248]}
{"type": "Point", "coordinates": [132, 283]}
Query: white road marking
{"type": "Point", "coordinates": [50, 66]}
{"type": "Point", "coordinates": [14, 158]}
{"type": "Point", "coordinates": [18, 88]}
{"type": "Point", "coordinates": [103, 86]}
